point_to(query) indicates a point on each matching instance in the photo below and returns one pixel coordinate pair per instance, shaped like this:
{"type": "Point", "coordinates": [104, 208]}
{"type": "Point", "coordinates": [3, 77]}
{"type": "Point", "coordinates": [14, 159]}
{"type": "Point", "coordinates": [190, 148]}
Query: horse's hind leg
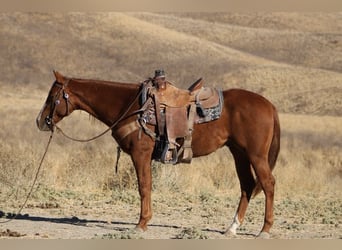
{"type": "Point", "coordinates": [267, 181]}
{"type": "Point", "coordinates": [247, 184]}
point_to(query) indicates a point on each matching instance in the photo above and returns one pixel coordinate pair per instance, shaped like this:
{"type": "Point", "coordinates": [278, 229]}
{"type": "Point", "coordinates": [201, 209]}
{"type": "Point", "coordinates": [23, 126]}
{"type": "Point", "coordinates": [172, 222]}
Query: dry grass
{"type": "Point", "coordinates": [310, 159]}
{"type": "Point", "coordinates": [292, 59]}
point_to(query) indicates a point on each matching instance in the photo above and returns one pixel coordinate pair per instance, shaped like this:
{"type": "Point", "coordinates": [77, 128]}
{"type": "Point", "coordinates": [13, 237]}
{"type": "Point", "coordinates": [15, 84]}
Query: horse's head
{"type": "Point", "coordinates": [57, 104]}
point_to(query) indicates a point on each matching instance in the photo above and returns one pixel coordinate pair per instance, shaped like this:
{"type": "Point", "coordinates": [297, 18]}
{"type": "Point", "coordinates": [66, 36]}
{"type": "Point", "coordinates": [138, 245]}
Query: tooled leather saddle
{"type": "Point", "coordinates": [174, 112]}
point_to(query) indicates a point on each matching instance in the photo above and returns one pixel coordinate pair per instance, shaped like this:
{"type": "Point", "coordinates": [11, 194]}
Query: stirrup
{"type": "Point", "coordinates": [200, 110]}
{"type": "Point", "coordinates": [165, 155]}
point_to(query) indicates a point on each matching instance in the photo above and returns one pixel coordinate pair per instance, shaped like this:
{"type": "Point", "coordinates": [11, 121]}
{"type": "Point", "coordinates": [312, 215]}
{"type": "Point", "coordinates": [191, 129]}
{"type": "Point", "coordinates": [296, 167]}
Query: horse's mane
{"type": "Point", "coordinates": [105, 82]}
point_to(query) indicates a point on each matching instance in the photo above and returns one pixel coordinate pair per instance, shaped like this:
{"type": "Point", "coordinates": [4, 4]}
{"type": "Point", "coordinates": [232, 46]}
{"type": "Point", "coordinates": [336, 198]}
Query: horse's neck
{"type": "Point", "coordinates": [103, 100]}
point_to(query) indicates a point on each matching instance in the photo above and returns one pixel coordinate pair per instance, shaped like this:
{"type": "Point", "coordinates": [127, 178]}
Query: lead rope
{"type": "Point", "coordinates": [34, 182]}
{"type": "Point", "coordinates": [85, 140]}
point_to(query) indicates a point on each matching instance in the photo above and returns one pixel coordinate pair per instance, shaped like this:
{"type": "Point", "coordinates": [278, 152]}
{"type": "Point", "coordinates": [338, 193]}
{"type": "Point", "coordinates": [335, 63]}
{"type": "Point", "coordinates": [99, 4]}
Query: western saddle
{"type": "Point", "coordinates": [174, 112]}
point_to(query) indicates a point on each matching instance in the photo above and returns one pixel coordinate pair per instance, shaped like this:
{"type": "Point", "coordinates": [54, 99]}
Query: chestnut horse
{"type": "Point", "coordinates": [248, 126]}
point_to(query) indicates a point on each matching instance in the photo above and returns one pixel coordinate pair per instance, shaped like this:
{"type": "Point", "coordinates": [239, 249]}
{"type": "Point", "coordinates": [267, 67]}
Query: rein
{"type": "Point", "coordinates": [34, 182]}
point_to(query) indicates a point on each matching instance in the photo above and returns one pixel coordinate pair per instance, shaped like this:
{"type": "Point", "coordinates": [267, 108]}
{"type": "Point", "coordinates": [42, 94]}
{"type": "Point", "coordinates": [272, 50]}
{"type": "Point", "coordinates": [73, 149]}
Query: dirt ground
{"type": "Point", "coordinates": [204, 216]}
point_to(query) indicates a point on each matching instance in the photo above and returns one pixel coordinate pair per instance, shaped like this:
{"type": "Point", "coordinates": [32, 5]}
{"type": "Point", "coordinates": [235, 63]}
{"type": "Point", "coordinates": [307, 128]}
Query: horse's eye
{"type": "Point", "coordinates": [57, 102]}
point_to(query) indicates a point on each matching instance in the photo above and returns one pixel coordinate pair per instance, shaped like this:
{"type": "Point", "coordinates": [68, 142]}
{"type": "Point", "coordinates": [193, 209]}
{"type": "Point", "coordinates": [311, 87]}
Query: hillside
{"type": "Point", "coordinates": [293, 59]}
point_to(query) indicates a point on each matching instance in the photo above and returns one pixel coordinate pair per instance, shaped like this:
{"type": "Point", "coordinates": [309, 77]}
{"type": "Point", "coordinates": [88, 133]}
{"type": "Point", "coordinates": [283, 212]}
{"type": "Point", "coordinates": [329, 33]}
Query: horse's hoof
{"type": "Point", "coordinates": [230, 232]}
{"type": "Point", "coordinates": [264, 235]}
{"type": "Point", "coordinates": [140, 229]}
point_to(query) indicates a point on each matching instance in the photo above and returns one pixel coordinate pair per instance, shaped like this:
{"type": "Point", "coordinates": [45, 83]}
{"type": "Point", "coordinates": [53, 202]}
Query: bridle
{"type": "Point", "coordinates": [55, 102]}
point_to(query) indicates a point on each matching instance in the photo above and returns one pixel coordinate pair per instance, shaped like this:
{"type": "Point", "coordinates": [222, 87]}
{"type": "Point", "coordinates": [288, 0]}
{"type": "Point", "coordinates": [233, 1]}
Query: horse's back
{"type": "Point", "coordinates": [241, 97]}
{"type": "Point", "coordinates": [248, 106]}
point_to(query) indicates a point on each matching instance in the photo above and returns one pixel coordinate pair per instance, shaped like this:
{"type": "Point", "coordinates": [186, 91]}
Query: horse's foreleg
{"type": "Point", "coordinates": [145, 206]}
{"type": "Point", "coordinates": [144, 175]}
{"type": "Point", "coordinates": [247, 184]}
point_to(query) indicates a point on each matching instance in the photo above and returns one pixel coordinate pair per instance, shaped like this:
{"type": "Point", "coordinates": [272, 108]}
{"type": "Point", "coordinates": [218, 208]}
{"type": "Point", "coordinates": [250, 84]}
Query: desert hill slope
{"type": "Point", "coordinates": [295, 60]}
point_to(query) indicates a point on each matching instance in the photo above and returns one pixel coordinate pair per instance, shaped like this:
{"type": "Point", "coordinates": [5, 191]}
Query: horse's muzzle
{"type": "Point", "coordinates": [44, 124]}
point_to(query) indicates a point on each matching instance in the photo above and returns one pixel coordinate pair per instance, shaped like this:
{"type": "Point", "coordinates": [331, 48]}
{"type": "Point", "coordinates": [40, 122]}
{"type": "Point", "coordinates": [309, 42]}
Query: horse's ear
{"type": "Point", "coordinates": [59, 77]}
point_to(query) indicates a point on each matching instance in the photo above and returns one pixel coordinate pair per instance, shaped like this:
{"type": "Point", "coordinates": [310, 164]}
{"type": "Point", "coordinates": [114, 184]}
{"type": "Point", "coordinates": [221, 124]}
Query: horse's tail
{"type": "Point", "coordinates": [273, 152]}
